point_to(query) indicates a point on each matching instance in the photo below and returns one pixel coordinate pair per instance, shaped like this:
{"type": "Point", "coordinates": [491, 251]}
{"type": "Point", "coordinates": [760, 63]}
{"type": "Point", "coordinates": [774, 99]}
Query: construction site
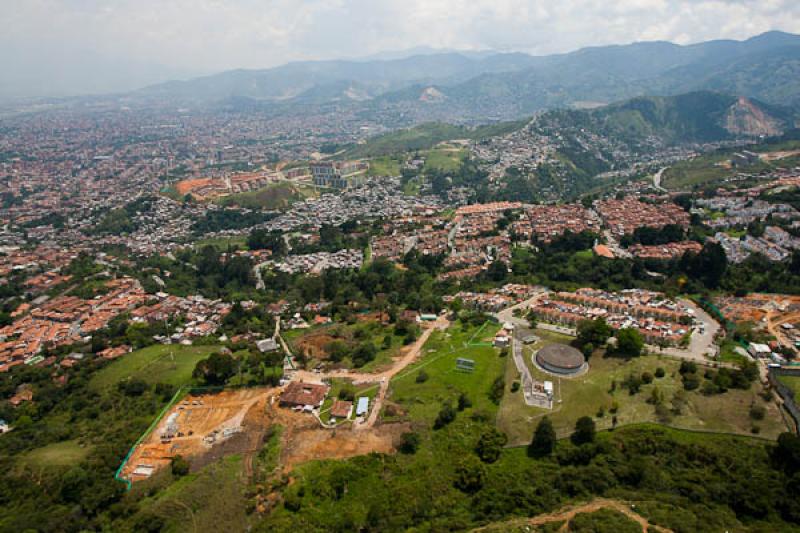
{"type": "Point", "coordinates": [192, 427]}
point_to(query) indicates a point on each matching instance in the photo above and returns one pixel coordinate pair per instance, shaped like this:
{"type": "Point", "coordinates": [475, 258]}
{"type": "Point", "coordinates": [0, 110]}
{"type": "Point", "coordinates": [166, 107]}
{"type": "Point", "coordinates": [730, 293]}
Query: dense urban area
{"type": "Point", "coordinates": [250, 319]}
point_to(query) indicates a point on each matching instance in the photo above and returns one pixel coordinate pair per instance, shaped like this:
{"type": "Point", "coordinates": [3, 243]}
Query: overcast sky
{"type": "Point", "coordinates": [55, 47]}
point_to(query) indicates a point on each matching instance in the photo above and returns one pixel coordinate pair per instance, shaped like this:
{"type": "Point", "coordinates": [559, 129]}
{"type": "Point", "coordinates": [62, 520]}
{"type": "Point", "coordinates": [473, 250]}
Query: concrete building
{"type": "Point", "coordinates": [339, 174]}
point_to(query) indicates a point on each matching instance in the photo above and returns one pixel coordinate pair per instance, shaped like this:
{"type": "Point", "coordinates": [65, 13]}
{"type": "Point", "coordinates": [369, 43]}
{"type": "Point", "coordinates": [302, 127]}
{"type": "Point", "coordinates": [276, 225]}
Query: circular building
{"type": "Point", "coordinates": [561, 359]}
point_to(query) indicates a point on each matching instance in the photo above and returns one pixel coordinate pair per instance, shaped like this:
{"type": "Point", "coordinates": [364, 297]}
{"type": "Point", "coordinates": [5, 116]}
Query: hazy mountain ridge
{"type": "Point", "coordinates": [481, 87]}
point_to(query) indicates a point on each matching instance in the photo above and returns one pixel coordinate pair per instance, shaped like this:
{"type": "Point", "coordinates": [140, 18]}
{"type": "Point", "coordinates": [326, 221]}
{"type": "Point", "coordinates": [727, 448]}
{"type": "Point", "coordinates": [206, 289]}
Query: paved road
{"type": "Point", "coordinates": [657, 179]}
{"type": "Point", "coordinates": [700, 346]}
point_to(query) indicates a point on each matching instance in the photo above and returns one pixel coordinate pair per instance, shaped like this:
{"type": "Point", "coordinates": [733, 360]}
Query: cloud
{"type": "Point", "coordinates": [70, 46]}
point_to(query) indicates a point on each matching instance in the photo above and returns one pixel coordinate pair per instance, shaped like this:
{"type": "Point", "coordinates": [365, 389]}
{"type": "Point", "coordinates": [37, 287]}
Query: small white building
{"type": "Point", "coordinates": [759, 350]}
{"type": "Point", "coordinates": [4, 427]}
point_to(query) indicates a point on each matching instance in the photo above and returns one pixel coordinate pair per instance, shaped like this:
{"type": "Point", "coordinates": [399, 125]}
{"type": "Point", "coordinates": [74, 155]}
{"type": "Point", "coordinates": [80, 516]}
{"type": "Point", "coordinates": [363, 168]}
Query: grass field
{"type": "Point", "coordinates": [275, 196]}
{"type": "Point", "coordinates": [154, 364]}
{"type": "Point", "coordinates": [444, 159]}
{"type": "Point", "coordinates": [384, 166]}
{"type": "Point", "coordinates": [212, 499]}
{"type": "Point", "coordinates": [61, 454]}
{"type": "Point", "coordinates": [793, 382]}
{"type": "Point", "coordinates": [223, 243]}
{"type": "Point", "coordinates": [424, 400]}
{"type": "Point", "coordinates": [586, 395]}
{"type": "Point", "coordinates": [370, 390]}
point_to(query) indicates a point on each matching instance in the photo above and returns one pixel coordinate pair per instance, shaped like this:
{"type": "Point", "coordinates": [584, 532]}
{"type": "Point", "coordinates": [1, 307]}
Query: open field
{"type": "Point", "coordinates": [172, 364]}
{"type": "Point", "coordinates": [223, 243]}
{"type": "Point", "coordinates": [793, 382]}
{"type": "Point", "coordinates": [212, 499]}
{"type": "Point", "coordinates": [444, 159]}
{"type": "Point", "coordinates": [62, 454]}
{"type": "Point", "coordinates": [422, 401]}
{"type": "Point", "coordinates": [384, 166]}
{"type": "Point", "coordinates": [275, 196]}
{"type": "Point", "coordinates": [589, 394]}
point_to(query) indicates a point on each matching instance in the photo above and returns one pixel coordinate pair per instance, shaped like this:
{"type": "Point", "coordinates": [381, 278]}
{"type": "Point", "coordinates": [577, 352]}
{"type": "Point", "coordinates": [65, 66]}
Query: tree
{"type": "Point", "coordinates": [584, 431]}
{"type": "Point", "coordinates": [544, 439]}
{"type": "Point", "coordinates": [470, 474]}
{"type": "Point", "coordinates": [709, 265]}
{"type": "Point", "coordinates": [629, 342]}
{"type": "Point", "coordinates": [446, 415]}
{"type": "Point", "coordinates": [409, 442]}
{"type": "Point", "coordinates": [490, 445]}
{"type": "Point", "coordinates": [180, 466]}
{"type": "Point", "coordinates": [498, 387]}
{"type": "Point", "coordinates": [498, 270]}
{"type": "Point", "coordinates": [463, 402]}
{"type": "Point", "coordinates": [595, 332]}
{"type": "Point", "coordinates": [215, 370]}
{"type": "Point", "coordinates": [532, 319]}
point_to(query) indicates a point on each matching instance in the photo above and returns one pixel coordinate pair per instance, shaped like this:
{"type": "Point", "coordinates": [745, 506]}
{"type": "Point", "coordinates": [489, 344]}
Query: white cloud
{"type": "Point", "coordinates": [85, 45]}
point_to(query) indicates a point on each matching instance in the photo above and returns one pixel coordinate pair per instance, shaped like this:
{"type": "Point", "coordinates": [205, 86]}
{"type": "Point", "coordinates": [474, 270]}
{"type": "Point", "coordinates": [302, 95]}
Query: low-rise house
{"type": "Point", "coordinates": [306, 396]}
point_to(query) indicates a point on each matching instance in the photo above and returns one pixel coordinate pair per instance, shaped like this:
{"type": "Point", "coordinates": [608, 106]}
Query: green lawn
{"type": "Point", "coordinates": [275, 196]}
{"type": "Point", "coordinates": [223, 243]}
{"type": "Point", "coordinates": [212, 499]}
{"type": "Point", "coordinates": [172, 364]}
{"type": "Point", "coordinates": [793, 382]}
{"type": "Point", "coordinates": [422, 401]}
{"type": "Point", "coordinates": [586, 395]}
{"type": "Point", "coordinates": [61, 454]}
{"type": "Point", "coordinates": [384, 166]}
{"type": "Point", "coordinates": [445, 159]}
{"type": "Point", "coordinates": [370, 390]}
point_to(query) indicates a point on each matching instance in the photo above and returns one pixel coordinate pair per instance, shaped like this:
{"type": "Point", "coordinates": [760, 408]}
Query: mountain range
{"type": "Point", "coordinates": [483, 87]}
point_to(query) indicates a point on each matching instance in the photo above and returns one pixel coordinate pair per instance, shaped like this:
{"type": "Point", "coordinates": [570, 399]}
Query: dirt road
{"type": "Point", "coordinates": [566, 515]}
{"type": "Point", "coordinates": [408, 355]}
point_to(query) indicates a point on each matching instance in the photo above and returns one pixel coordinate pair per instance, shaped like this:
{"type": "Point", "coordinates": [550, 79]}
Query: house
{"type": "Point", "coordinates": [4, 427]}
{"type": "Point", "coordinates": [363, 406]}
{"type": "Point", "coordinates": [306, 396]}
{"type": "Point", "coordinates": [341, 409]}
{"type": "Point", "coordinates": [22, 395]}
{"type": "Point", "coordinates": [267, 345]}
{"type": "Point", "coordinates": [502, 339]}
{"type": "Point", "coordinates": [759, 350]}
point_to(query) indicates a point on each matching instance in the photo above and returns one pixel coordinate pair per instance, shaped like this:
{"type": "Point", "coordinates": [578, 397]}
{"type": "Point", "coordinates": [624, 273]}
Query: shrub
{"type": "Point", "coordinates": [496, 392]}
{"type": "Point", "coordinates": [470, 475]}
{"type": "Point", "coordinates": [446, 415]}
{"type": "Point", "coordinates": [463, 402]}
{"type": "Point", "coordinates": [490, 445]}
{"type": "Point", "coordinates": [660, 372]}
{"type": "Point", "coordinates": [422, 377]}
{"type": "Point", "coordinates": [180, 466]}
{"type": "Point", "coordinates": [758, 412]}
{"type": "Point", "coordinates": [647, 378]}
{"type": "Point", "coordinates": [409, 442]}
{"type": "Point", "coordinates": [515, 386]}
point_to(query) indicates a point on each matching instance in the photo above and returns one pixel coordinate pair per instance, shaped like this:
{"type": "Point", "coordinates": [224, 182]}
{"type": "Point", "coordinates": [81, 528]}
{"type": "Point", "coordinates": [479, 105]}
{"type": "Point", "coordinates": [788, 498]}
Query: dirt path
{"type": "Point", "coordinates": [409, 355]}
{"type": "Point", "coordinates": [566, 515]}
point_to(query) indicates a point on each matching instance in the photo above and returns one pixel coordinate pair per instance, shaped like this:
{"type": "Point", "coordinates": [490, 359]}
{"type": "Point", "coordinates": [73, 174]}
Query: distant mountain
{"type": "Point", "coordinates": [702, 116]}
{"type": "Point", "coordinates": [766, 67]}
{"type": "Point", "coordinates": [337, 80]}
{"type": "Point", "coordinates": [481, 87]}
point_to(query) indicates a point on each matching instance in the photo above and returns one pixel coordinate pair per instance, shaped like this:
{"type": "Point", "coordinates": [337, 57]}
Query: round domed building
{"type": "Point", "coordinates": [561, 359]}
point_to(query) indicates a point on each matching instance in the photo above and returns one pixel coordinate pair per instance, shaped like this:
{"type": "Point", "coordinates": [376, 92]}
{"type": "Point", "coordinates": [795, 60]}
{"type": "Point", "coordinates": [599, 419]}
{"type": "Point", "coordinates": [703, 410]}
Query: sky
{"type": "Point", "coordinates": [67, 47]}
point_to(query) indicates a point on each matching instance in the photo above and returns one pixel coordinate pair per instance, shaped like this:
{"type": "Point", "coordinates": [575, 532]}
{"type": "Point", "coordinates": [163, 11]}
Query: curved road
{"type": "Point", "coordinates": [412, 351]}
